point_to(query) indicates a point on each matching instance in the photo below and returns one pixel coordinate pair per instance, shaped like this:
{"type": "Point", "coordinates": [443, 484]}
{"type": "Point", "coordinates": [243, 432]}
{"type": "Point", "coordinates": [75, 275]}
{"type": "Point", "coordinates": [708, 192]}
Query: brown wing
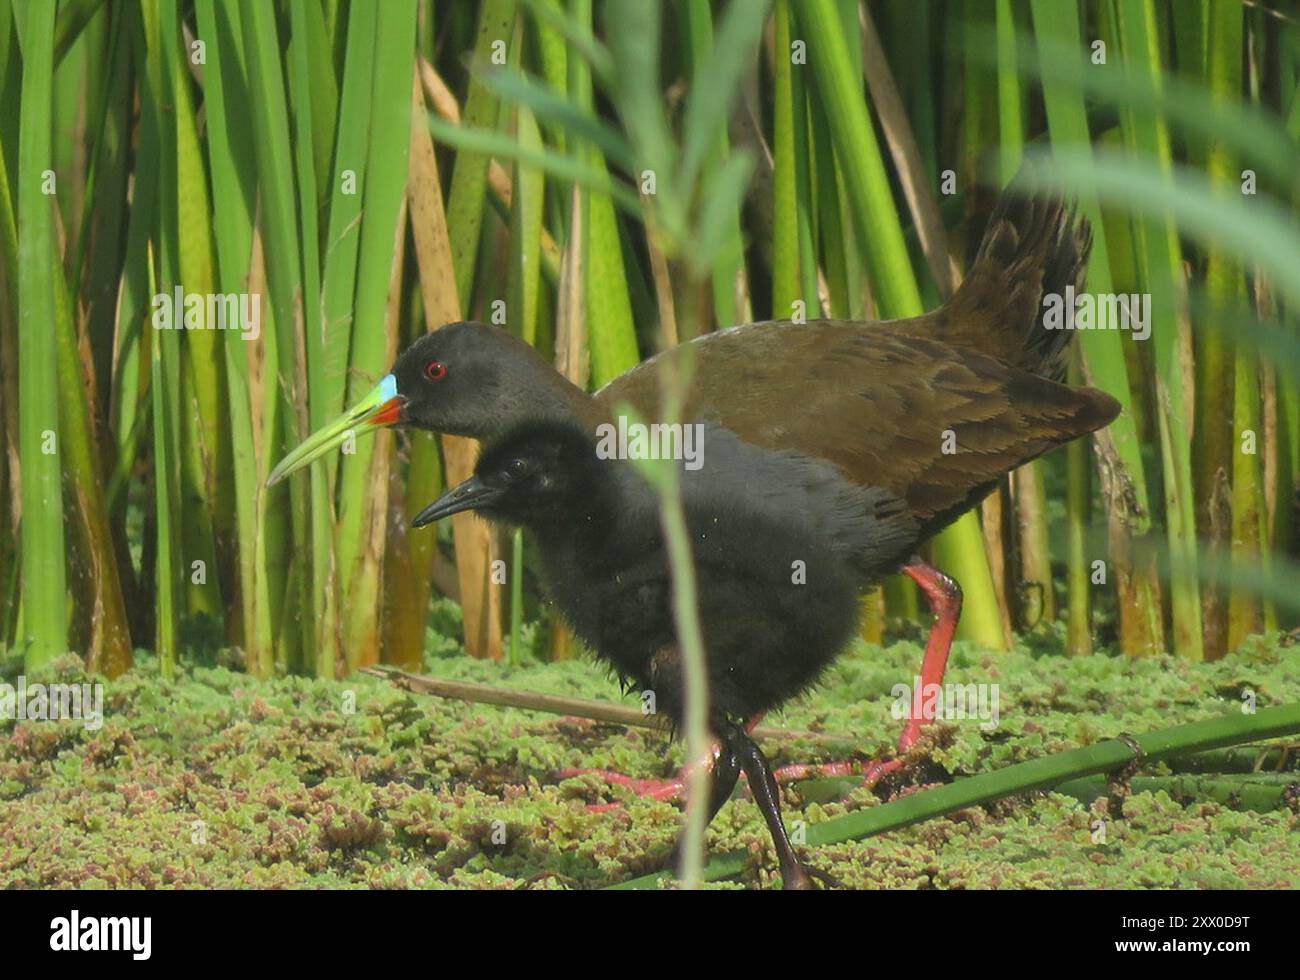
{"type": "Point", "coordinates": [932, 423]}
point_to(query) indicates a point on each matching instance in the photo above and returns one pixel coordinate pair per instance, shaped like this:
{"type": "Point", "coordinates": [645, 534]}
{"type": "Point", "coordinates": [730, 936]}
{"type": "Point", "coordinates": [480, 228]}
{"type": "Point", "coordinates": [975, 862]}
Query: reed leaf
{"type": "Point", "coordinates": [1128, 507]}
{"type": "Point", "coordinates": [44, 587]}
{"type": "Point", "coordinates": [1160, 256]}
{"type": "Point", "coordinates": [469, 177]}
{"type": "Point", "coordinates": [230, 159]}
{"type": "Point", "coordinates": [208, 491]}
{"type": "Point", "coordinates": [611, 333]}
{"type": "Point", "coordinates": [363, 480]}
{"type": "Point", "coordinates": [287, 414]}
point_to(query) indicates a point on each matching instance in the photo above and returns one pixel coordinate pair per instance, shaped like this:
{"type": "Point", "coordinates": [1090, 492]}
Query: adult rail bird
{"type": "Point", "coordinates": [933, 410]}
{"type": "Point", "coordinates": [783, 546]}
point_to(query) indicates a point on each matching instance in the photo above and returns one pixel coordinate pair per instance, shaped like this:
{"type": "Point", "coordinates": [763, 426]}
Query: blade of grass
{"type": "Point", "coordinates": [524, 279]}
{"type": "Point", "coordinates": [1078, 507]}
{"type": "Point", "coordinates": [98, 593]}
{"type": "Point", "coordinates": [442, 247]}
{"type": "Point", "coordinates": [571, 353]}
{"type": "Point", "coordinates": [363, 484]}
{"type": "Point", "coordinates": [10, 488]}
{"type": "Point", "coordinates": [129, 413]}
{"type": "Point", "coordinates": [1160, 256]}
{"type": "Point", "coordinates": [43, 572]}
{"type": "Point", "coordinates": [1128, 506]}
{"type": "Point", "coordinates": [610, 331]}
{"type": "Point", "coordinates": [519, 89]}
{"type": "Point", "coordinates": [311, 84]}
{"type": "Point", "coordinates": [786, 259]}
{"type": "Point", "coordinates": [285, 372]}
{"type": "Point", "coordinates": [1027, 481]}
{"type": "Point", "coordinates": [409, 558]}
{"type": "Point", "coordinates": [469, 176]}
{"type": "Point", "coordinates": [1215, 446]}
{"type": "Point", "coordinates": [231, 160]}
{"type": "Point", "coordinates": [523, 290]}
{"type": "Point", "coordinates": [906, 154]}
{"type": "Point", "coordinates": [716, 67]}
{"type": "Point", "coordinates": [102, 241]}
{"type": "Point", "coordinates": [1252, 134]}
{"type": "Point", "coordinates": [208, 492]}
{"type": "Point", "coordinates": [163, 371]}
{"type": "Point", "coordinates": [74, 15]}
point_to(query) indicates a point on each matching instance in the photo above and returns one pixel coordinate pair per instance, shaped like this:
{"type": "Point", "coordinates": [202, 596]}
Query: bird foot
{"type": "Point", "coordinates": [654, 789]}
{"type": "Point", "coordinates": [674, 788]}
{"type": "Point", "coordinates": [871, 771]}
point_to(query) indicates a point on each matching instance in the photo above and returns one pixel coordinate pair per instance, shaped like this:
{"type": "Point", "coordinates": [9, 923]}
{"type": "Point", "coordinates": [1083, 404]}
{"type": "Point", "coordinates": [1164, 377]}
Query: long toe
{"type": "Point", "coordinates": [871, 771]}
{"type": "Point", "coordinates": [655, 789]}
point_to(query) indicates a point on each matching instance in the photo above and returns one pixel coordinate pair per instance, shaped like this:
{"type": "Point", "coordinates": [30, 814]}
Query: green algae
{"type": "Point", "coordinates": [215, 779]}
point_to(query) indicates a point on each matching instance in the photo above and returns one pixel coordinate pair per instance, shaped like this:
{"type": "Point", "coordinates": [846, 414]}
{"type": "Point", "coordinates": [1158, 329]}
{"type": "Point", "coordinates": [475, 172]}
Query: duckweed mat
{"type": "Point", "coordinates": [215, 779]}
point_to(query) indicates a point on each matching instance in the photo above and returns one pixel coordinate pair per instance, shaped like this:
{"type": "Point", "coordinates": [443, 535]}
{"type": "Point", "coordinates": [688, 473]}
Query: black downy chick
{"type": "Point", "coordinates": [783, 547]}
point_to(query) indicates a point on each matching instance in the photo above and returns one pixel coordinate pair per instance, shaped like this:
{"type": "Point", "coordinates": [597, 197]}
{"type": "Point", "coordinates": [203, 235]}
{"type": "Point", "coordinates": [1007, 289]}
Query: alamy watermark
{"type": "Point", "coordinates": [655, 440]}
{"type": "Point", "coordinates": [76, 933]}
{"type": "Point", "coordinates": [947, 702]}
{"type": "Point", "coordinates": [179, 310]}
{"type": "Point", "coordinates": [1098, 311]}
{"type": "Point", "coordinates": [53, 702]}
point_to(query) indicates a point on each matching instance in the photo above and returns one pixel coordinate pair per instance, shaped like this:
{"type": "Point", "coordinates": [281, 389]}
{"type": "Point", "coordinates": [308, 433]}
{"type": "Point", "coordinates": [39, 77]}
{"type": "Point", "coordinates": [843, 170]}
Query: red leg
{"type": "Point", "coordinates": [944, 596]}
{"type": "Point", "coordinates": [655, 789]}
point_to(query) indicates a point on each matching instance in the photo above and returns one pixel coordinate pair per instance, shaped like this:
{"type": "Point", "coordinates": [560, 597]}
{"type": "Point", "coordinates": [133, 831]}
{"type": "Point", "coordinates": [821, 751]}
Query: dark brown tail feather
{"type": "Point", "coordinates": [1033, 246]}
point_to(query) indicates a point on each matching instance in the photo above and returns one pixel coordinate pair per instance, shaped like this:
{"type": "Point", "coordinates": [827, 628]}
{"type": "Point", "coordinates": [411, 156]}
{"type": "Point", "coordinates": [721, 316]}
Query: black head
{"type": "Point", "coordinates": [453, 380]}
{"type": "Point", "coordinates": [466, 379]}
{"type": "Point", "coordinates": [537, 474]}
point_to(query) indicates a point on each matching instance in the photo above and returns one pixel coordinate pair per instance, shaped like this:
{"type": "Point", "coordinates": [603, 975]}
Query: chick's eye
{"type": "Point", "coordinates": [435, 370]}
{"type": "Point", "coordinates": [517, 467]}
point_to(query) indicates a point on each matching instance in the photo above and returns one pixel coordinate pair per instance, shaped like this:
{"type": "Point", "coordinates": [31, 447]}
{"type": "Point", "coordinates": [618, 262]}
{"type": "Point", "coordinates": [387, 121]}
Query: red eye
{"type": "Point", "coordinates": [435, 370]}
